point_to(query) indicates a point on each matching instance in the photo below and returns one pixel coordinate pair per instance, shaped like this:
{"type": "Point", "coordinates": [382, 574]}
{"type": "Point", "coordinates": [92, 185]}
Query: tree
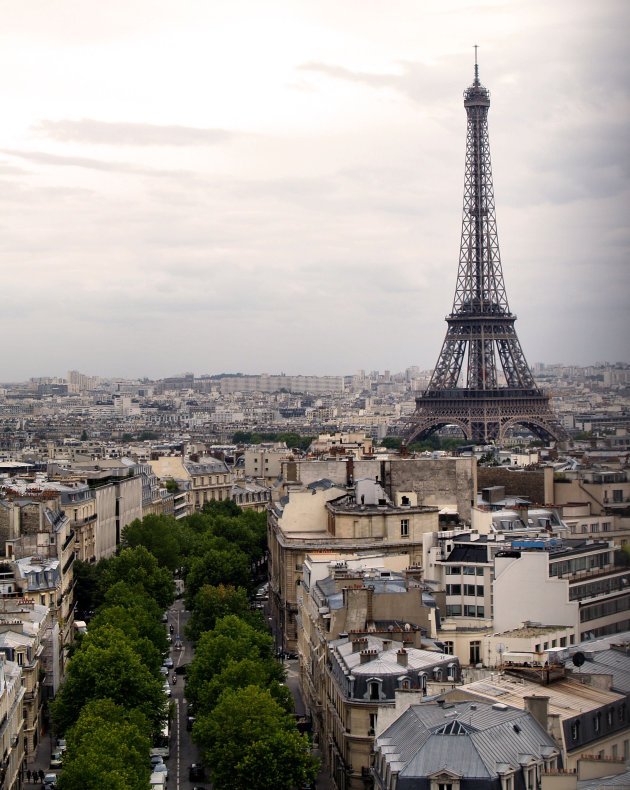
{"type": "Point", "coordinates": [171, 486]}
{"type": "Point", "coordinates": [243, 673]}
{"type": "Point", "coordinates": [138, 566]}
{"type": "Point", "coordinates": [84, 436]}
{"type": "Point", "coordinates": [107, 666]}
{"type": "Point", "coordinates": [159, 535]}
{"type": "Point", "coordinates": [249, 741]}
{"type": "Point", "coordinates": [232, 639]}
{"type": "Point", "coordinates": [224, 507]}
{"type": "Point", "coordinates": [108, 747]}
{"type": "Point", "coordinates": [86, 589]}
{"type": "Point", "coordinates": [218, 566]}
{"type": "Point", "coordinates": [212, 603]}
{"type": "Point", "coordinates": [145, 634]}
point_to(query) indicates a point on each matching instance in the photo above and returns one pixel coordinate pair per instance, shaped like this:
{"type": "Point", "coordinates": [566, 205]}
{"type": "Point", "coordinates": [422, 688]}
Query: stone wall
{"type": "Point", "coordinates": [535, 485]}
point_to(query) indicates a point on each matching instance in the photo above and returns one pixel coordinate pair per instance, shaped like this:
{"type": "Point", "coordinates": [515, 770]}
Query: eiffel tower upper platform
{"type": "Point", "coordinates": [481, 326]}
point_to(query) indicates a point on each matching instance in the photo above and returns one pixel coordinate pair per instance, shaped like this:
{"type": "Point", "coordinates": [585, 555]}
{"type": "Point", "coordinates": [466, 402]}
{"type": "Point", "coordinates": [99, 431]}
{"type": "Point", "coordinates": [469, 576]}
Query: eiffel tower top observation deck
{"type": "Point", "coordinates": [481, 326]}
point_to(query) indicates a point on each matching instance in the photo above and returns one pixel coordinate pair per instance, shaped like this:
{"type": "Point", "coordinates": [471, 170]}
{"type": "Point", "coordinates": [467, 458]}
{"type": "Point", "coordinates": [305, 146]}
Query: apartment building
{"type": "Point", "coordinates": [11, 724]}
{"type": "Point", "coordinates": [207, 480]}
{"type": "Point", "coordinates": [327, 517]}
{"type": "Point", "coordinates": [363, 675]}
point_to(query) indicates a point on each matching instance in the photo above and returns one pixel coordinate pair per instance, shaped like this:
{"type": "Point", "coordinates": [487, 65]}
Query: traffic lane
{"type": "Point", "coordinates": [183, 751]}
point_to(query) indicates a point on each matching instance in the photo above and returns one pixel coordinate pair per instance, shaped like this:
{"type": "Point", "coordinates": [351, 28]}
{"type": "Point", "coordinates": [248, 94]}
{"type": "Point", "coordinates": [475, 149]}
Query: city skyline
{"type": "Point", "coordinates": [192, 188]}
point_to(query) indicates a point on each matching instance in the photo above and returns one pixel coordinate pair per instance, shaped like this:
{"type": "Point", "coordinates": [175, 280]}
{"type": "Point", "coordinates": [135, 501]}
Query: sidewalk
{"type": "Point", "coordinates": [40, 760]}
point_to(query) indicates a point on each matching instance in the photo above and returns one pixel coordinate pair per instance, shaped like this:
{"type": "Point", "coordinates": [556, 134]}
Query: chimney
{"type": "Point", "coordinates": [368, 655]}
{"type": "Point", "coordinates": [387, 644]}
{"type": "Point", "coordinates": [359, 644]}
{"type": "Point", "coordinates": [402, 656]}
{"type": "Point", "coordinates": [539, 708]}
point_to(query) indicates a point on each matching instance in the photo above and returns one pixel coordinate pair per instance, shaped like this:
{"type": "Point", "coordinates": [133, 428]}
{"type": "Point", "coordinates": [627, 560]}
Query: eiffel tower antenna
{"type": "Point", "coordinates": [480, 326]}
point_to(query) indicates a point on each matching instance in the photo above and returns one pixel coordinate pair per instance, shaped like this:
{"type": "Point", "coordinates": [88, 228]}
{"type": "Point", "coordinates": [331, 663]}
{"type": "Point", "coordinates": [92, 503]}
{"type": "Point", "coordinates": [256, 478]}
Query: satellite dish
{"type": "Point", "coordinates": [578, 659]}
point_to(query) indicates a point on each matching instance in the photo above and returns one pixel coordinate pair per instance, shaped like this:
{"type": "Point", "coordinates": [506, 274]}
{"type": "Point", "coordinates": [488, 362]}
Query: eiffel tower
{"type": "Point", "coordinates": [480, 326]}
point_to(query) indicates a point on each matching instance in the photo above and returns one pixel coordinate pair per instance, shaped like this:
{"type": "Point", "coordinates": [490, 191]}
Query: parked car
{"type": "Point", "coordinates": [168, 662]}
{"type": "Point", "coordinates": [156, 759]}
{"type": "Point", "coordinates": [50, 781]}
{"type": "Point", "coordinates": [56, 759]}
{"type": "Point", "coordinates": [164, 671]}
{"type": "Point", "coordinates": [167, 689]}
{"type": "Point", "coordinates": [189, 723]}
{"type": "Point", "coordinates": [61, 745]}
{"type": "Point", "coordinates": [196, 773]}
{"type": "Point", "coordinates": [157, 781]}
{"type": "Point", "coordinates": [160, 768]}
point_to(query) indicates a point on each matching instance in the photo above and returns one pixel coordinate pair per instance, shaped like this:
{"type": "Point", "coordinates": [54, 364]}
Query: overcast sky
{"type": "Point", "coordinates": [276, 186]}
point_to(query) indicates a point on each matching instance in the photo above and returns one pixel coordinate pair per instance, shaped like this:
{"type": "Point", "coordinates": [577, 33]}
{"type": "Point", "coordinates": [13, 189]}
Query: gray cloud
{"type": "Point", "coordinates": [92, 132]}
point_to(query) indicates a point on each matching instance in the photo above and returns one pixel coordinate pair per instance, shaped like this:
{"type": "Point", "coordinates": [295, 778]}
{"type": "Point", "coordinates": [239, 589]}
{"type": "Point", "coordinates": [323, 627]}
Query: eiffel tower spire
{"type": "Point", "coordinates": [465, 389]}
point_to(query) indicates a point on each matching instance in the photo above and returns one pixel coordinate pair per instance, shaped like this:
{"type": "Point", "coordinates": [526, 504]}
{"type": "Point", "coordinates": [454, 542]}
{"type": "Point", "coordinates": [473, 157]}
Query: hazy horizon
{"type": "Point", "coordinates": [279, 186]}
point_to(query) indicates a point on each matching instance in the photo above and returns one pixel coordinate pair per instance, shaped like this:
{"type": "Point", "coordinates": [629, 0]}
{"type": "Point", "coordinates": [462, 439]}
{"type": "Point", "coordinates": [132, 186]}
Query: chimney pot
{"type": "Point", "coordinates": [402, 656]}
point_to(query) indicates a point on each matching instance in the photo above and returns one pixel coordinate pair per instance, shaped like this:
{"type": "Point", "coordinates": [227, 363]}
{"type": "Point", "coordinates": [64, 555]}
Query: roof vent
{"type": "Point", "coordinates": [499, 706]}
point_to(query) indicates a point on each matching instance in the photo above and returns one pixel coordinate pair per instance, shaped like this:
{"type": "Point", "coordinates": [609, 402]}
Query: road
{"type": "Point", "coordinates": [183, 750]}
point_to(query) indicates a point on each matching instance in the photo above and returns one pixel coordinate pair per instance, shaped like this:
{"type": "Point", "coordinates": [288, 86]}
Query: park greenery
{"type": "Point", "coordinates": [290, 439]}
{"type": "Point", "coordinates": [112, 706]}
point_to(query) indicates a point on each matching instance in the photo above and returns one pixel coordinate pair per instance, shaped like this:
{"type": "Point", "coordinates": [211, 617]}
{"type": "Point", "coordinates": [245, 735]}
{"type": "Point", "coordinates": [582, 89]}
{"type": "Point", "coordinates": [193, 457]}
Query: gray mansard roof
{"type": "Point", "coordinates": [473, 740]}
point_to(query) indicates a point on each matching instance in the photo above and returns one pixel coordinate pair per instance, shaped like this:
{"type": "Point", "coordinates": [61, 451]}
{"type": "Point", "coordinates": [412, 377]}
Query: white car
{"type": "Point", "coordinates": [167, 689]}
{"type": "Point", "coordinates": [157, 780]}
{"type": "Point", "coordinates": [160, 768]}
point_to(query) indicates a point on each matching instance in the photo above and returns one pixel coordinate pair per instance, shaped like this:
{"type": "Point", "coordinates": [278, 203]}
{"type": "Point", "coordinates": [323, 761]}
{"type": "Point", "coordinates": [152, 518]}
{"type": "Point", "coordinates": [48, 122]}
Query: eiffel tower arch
{"type": "Point", "coordinates": [465, 389]}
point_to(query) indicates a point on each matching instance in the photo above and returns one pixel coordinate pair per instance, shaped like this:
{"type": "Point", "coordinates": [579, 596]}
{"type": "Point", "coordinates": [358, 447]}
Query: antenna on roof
{"type": "Point", "coordinates": [476, 66]}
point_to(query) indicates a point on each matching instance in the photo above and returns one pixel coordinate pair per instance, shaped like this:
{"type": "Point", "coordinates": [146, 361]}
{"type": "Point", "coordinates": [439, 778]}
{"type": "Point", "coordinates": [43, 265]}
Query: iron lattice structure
{"type": "Point", "coordinates": [480, 326]}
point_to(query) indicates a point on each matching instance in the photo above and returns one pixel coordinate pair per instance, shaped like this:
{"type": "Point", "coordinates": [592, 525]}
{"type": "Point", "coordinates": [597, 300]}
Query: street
{"type": "Point", "coordinates": [183, 751]}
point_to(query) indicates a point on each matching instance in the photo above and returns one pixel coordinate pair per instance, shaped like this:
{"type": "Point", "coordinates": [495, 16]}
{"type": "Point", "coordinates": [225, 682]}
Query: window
{"type": "Point", "coordinates": [479, 571]}
{"type": "Point", "coordinates": [404, 527]}
{"type": "Point", "coordinates": [453, 610]}
{"type": "Point", "coordinates": [469, 611]}
{"type": "Point", "coordinates": [449, 648]}
{"type": "Point", "coordinates": [469, 589]}
{"type": "Point", "coordinates": [372, 723]}
{"type": "Point", "coordinates": [453, 589]}
{"type": "Point", "coordinates": [575, 731]}
{"type": "Point", "coordinates": [563, 641]}
{"type": "Point", "coordinates": [453, 570]}
{"type": "Point", "coordinates": [597, 722]}
{"type": "Point", "coordinates": [374, 690]}
{"type": "Point", "coordinates": [469, 570]}
{"type": "Point", "coordinates": [475, 652]}
{"type": "Point", "coordinates": [480, 611]}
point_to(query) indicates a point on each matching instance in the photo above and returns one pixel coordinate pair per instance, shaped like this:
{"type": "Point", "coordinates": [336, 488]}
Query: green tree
{"type": "Point", "coordinates": [247, 672]}
{"type": "Point", "coordinates": [171, 486]}
{"type": "Point", "coordinates": [86, 590]}
{"type": "Point", "coordinates": [211, 604]}
{"type": "Point", "coordinates": [232, 639]}
{"type": "Point", "coordinates": [391, 442]}
{"type": "Point", "coordinates": [224, 507]}
{"type": "Point", "coordinates": [250, 742]}
{"type": "Point", "coordinates": [145, 634]}
{"type": "Point", "coordinates": [138, 566]}
{"type": "Point", "coordinates": [159, 535]}
{"type": "Point", "coordinates": [84, 436]}
{"type": "Point", "coordinates": [108, 747]}
{"type": "Point", "coordinates": [108, 667]}
{"type": "Point", "coordinates": [216, 566]}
